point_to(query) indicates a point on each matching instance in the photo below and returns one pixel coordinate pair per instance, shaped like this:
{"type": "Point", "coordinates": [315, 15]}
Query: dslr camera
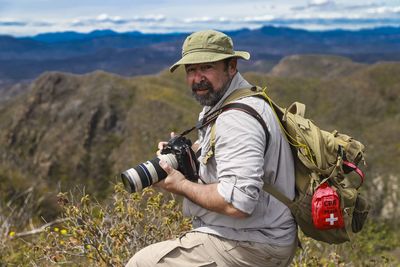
{"type": "Point", "coordinates": [177, 153]}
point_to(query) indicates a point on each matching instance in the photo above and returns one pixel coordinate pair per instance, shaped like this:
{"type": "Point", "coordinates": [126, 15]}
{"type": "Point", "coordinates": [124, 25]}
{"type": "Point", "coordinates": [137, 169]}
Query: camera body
{"type": "Point", "coordinates": [177, 153]}
{"type": "Point", "coordinates": [181, 148]}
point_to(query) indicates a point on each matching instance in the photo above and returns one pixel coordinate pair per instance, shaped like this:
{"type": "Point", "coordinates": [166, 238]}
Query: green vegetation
{"type": "Point", "coordinates": [94, 234]}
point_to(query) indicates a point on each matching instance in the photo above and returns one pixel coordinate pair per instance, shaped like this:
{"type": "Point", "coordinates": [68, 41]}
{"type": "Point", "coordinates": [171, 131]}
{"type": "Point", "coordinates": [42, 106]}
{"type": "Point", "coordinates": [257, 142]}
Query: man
{"type": "Point", "coordinates": [235, 222]}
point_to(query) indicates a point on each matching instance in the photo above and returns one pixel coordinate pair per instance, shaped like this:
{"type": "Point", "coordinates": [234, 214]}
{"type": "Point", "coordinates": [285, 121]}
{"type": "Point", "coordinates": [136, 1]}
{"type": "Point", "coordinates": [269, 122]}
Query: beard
{"type": "Point", "coordinates": [212, 96]}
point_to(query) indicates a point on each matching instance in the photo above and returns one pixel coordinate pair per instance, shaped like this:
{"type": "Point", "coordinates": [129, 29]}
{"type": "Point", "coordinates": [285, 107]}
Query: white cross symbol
{"type": "Point", "coordinates": [332, 219]}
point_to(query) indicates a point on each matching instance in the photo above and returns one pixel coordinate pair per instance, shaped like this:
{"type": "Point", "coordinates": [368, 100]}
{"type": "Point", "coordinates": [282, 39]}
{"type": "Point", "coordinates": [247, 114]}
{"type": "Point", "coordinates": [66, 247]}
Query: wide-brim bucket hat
{"type": "Point", "coordinates": [207, 46]}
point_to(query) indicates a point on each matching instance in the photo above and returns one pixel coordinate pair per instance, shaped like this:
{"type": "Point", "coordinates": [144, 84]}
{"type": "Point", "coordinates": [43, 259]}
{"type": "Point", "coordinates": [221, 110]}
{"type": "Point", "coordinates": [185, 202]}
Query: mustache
{"type": "Point", "coordinates": [202, 85]}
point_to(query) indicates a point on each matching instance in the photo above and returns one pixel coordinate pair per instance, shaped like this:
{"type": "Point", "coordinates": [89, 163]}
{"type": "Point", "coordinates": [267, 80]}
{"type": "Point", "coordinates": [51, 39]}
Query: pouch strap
{"type": "Point", "coordinates": [356, 169]}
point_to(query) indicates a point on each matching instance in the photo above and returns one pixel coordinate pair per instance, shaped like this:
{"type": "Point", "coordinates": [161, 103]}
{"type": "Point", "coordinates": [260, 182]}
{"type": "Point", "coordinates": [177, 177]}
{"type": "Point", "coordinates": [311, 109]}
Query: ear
{"type": "Point", "coordinates": [232, 68]}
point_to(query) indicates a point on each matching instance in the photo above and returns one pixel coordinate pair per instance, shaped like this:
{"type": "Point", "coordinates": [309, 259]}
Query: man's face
{"type": "Point", "coordinates": [209, 81]}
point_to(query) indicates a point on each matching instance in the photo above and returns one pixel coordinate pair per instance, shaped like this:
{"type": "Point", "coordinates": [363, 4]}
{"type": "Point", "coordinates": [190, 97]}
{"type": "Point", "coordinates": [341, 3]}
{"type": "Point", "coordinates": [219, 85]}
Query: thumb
{"type": "Point", "coordinates": [167, 168]}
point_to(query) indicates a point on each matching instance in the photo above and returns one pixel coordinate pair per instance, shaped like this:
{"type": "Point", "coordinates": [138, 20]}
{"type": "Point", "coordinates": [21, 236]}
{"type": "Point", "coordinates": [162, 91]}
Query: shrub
{"type": "Point", "coordinates": [373, 246]}
{"type": "Point", "coordinates": [108, 234]}
{"type": "Point", "coordinates": [104, 235]}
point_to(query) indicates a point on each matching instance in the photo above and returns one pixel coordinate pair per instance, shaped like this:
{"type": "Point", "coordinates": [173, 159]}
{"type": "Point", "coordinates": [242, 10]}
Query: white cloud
{"type": "Point", "coordinates": [259, 18]}
{"type": "Point", "coordinates": [104, 20]}
{"type": "Point", "coordinates": [316, 5]}
{"type": "Point", "coordinates": [320, 2]}
{"type": "Point", "coordinates": [199, 19]}
{"type": "Point", "coordinates": [106, 17]}
{"type": "Point", "coordinates": [360, 7]}
{"type": "Point", "coordinates": [383, 10]}
{"type": "Point", "coordinates": [225, 20]}
{"type": "Point", "coordinates": [147, 18]}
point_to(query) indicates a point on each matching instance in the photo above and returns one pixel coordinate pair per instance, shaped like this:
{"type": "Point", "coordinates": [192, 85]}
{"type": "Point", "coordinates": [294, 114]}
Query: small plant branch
{"type": "Point", "coordinates": [40, 229]}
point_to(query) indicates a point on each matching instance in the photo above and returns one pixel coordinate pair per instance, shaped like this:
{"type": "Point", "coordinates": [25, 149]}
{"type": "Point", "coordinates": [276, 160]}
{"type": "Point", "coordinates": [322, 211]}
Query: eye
{"type": "Point", "coordinates": [206, 67]}
{"type": "Point", "coordinates": [189, 70]}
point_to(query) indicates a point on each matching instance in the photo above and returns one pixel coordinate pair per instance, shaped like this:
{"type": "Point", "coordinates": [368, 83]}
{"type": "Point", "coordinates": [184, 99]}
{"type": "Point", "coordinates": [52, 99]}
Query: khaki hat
{"type": "Point", "coordinates": [207, 46]}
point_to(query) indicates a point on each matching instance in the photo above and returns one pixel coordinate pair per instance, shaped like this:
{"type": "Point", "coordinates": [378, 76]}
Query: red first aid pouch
{"type": "Point", "coordinates": [325, 208]}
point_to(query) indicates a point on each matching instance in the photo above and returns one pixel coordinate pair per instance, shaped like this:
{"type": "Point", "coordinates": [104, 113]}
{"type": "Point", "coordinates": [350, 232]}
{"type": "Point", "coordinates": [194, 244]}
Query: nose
{"type": "Point", "coordinates": [198, 76]}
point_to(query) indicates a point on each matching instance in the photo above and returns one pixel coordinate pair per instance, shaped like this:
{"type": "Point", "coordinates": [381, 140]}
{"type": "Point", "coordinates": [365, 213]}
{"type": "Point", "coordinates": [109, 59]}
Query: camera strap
{"type": "Point", "coordinates": [231, 106]}
{"type": "Point", "coordinates": [205, 121]}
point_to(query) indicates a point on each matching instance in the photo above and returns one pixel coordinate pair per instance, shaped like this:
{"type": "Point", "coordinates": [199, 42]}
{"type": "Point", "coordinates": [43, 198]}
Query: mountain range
{"type": "Point", "coordinates": [135, 53]}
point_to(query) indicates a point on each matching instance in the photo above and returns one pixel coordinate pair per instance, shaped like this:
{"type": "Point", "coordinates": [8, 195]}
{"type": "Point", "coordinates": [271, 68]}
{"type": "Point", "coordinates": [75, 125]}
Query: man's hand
{"type": "Point", "coordinates": [162, 144]}
{"type": "Point", "coordinates": [174, 181]}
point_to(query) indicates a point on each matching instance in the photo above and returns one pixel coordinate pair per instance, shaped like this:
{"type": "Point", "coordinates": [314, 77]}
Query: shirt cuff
{"type": "Point", "coordinates": [237, 197]}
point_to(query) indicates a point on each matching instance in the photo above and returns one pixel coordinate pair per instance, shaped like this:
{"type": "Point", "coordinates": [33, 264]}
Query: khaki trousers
{"type": "Point", "coordinates": [196, 249]}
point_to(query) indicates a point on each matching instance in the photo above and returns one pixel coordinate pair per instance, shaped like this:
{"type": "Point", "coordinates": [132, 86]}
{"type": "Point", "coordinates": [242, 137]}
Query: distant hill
{"type": "Point", "coordinates": [327, 67]}
{"type": "Point", "coordinates": [68, 36]}
{"type": "Point", "coordinates": [134, 53]}
{"type": "Point", "coordinates": [68, 130]}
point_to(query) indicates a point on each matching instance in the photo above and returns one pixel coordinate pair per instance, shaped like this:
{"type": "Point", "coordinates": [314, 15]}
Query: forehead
{"type": "Point", "coordinates": [216, 63]}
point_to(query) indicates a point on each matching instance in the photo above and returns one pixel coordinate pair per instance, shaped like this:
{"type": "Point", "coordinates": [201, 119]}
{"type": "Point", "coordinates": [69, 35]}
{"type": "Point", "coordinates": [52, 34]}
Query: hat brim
{"type": "Point", "coordinates": [206, 57]}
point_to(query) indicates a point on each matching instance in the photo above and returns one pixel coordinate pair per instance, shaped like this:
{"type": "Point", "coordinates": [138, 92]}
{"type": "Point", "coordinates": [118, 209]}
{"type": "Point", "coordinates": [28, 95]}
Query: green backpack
{"type": "Point", "coordinates": [320, 157]}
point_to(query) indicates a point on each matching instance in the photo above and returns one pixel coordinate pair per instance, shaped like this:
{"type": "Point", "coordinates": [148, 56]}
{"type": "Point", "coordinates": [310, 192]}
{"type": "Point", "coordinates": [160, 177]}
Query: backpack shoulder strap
{"type": "Point", "coordinates": [281, 114]}
{"type": "Point", "coordinates": [235, 106]}
{"type": "Point", "coordinates": [249, 110]}
{"type": "Point", "coordinates": [278, 195]}
{"type": "Point", "coordinates": [236, 95]}
{"type": "Point", "coordinates": [230, 104]}
{"type": "Point", "coordinates": [242, 93]}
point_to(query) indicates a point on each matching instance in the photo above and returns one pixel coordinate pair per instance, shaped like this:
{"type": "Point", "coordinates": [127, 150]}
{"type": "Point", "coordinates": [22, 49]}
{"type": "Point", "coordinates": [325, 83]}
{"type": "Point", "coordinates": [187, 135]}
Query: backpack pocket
{"type": "Point", "coordinates": [360, 214]}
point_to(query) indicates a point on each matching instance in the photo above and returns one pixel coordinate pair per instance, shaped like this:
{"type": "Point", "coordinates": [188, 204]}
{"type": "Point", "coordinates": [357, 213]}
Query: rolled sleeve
{"type": "Point", "coordinates": [238, 198]}
{"type": "Point", "coordinates": [239, 153]}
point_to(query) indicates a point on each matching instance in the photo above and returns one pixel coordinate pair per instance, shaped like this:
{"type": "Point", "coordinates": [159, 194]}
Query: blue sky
{"type": "Point", "coordinates": [29, 17]}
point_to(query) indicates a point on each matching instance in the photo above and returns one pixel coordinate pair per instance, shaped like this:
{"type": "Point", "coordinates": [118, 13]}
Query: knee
{"type": "Point", "coordinates": [132, 262]}
{"type": "Point", "coordinates": [140, 259]}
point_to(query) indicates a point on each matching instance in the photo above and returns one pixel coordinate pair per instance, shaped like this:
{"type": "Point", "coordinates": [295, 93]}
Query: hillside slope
{"type": "Point", "coordinates": [319, 67]}
{"type": "Point", "coordinates": [83, 130]}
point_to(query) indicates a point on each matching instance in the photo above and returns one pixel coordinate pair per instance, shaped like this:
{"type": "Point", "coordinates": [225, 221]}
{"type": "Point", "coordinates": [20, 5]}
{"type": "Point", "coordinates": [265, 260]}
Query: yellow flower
{"type": "Point", "coordinates": [11, 234]}
{"type": "Point", "coordinates": [56, 229]}
{"type": "Point", "coordinates": [62, 242]}
{"type": "Point", "coordinates": [64, 232]}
